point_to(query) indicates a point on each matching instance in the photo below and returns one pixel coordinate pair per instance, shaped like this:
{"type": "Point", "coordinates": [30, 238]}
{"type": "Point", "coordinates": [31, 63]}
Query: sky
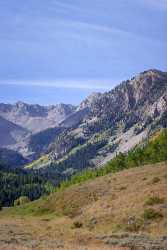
{"type": "Point", "coordinates": [54, 51]}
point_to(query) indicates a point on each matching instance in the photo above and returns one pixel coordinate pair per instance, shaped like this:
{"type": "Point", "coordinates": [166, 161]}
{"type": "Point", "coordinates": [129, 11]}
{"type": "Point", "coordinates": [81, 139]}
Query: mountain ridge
{"type": "Point", "coordinates": [112, 122]}
{"type": "Point", "coordinates": [35, 117]}
{"type": "Point", "coordinates": [103, 124]}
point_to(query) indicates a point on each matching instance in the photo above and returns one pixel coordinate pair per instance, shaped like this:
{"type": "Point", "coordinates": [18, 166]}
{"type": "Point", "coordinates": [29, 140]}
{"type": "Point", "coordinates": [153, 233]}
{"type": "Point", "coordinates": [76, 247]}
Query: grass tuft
{"type": "Point", "coordinates": [151, 214]}
{"type": "Point", "coordinates": [155, 180]}
{"type": "Point", "coordinates": [153, 200]}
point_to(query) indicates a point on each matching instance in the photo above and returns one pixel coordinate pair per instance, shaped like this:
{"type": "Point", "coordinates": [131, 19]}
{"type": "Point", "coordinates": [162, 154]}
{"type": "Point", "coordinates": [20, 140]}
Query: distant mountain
{"type": "Point", "coordinates": [10, 133]}
{"type": "Point", "coordinates": [18, 122]}
{"type": "Point", "coordinates": [35, 118]}
{"type": "Point", "coordinates": [105, 124]}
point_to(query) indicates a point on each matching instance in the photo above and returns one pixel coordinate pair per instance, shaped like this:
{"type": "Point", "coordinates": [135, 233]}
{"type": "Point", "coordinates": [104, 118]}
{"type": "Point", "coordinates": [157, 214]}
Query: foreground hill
{"type": "Point", "coordinates": [120, 205]}
{"type": "Point", "coordinates": [95, 214]}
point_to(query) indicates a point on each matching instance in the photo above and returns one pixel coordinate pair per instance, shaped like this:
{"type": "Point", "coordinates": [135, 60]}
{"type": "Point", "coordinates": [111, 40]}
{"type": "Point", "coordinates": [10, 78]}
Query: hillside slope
{"type": "Point", "coordinates": [123, 204]}
{"type": "Point", "coordinates": [152, 152]}
{"type": "Point", "coordinates": [97, 211]}
{"type": "Point", "coordinates": [106, 124]}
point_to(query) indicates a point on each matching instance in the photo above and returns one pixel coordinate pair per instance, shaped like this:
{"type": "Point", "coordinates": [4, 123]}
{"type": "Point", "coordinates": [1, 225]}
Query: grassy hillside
{"type": "Point", "coordinates": [152, 151]}
{"type": "Point", "coordinates": [155, 150]}
{"type": "Point", "coordinates": [123, 197]}
{"type": "Point", "coordinates": [131, 201]}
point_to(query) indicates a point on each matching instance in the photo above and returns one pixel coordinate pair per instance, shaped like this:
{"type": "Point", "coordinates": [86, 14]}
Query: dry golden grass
{"type": "Point", "coordinates": [42, 234]}
{"type": "Point", "coordinates": [125, 197]}
{"type": "Point", "coordinates": [16, 247]}
{"type": "Point", "coordinates": [103, 206]}
{"type": "Point", "coordinates": [112, 199]}
{"type": "Point", "coordinates": [155, 135]}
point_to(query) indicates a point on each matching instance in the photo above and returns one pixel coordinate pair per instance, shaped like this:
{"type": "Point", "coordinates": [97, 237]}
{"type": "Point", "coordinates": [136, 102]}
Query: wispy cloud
{"type": "Point", "coordinates": [160, 4]}
{"type": "Point", "coordinates": [66, 6]}
{"type": "Point", "coordinates": [94, 84]}
{"type": "Point", "coordinates": [79, 8]}
{"type": "Point", "coordinates": [93, 27]}
{"type": "Point", "coordinates": [72, 39]}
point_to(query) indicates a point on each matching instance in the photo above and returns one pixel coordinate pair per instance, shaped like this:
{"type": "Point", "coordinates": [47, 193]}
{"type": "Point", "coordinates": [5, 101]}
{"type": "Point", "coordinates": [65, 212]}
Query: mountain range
{"type": "Point", "coordinates": [35, 118]}
{"type": "Point", "coordinates": [66, 139]}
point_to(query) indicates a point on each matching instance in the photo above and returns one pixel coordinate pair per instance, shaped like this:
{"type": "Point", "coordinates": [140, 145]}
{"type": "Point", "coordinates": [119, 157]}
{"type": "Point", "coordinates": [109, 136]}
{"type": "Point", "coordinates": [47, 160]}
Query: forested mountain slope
{"type": "Point", "coordinates": [92, 133]}
{"type": "Point", "coordinates": [12, 158]}
{"type": "Point", "coordinates": [16, 183]}
{"type": "Point", "coordinates": [109, 123]}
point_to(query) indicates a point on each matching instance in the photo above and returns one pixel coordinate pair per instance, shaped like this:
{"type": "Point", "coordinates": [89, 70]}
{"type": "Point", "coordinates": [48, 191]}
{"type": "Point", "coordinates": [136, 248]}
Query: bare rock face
{"type": "Point", "coordinates": [89, 100]}
{"type": "Point", "coordinates": [142, 93]}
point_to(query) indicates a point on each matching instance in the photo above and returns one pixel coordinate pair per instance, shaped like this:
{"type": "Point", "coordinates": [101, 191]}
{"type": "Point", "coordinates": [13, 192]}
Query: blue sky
{"type": "Point", "coordinates": [62, 50]}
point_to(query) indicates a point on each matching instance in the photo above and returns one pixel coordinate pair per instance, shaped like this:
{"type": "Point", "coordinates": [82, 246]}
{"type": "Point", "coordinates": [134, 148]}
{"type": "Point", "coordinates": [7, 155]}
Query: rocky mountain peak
{"type": "Point", "coordinates": [149, 85]}
{"type": "Point", "coordinates": [90, 100]}
{"type": "Point", "coordinates": [149, 77]}
{"type": "Point", "coordinates": [33, 110]}
{"type": "Point", "coordinates": [20, 104]}
{"type": "Point", "coordinates": [142, 92]}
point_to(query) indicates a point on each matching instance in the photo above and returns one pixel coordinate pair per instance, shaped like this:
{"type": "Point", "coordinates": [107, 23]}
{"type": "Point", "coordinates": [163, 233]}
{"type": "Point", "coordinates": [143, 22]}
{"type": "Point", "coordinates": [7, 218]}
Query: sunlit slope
{"type": "Point", "coordinates": [128, 194]}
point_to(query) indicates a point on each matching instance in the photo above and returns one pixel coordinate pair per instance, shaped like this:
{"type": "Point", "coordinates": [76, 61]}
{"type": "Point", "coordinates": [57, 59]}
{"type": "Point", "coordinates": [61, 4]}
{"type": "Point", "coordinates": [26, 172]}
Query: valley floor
{"type": "Point", "coordinates": [122, 211]}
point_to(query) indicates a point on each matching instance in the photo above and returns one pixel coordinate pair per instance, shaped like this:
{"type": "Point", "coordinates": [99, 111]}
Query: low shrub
{"type": "Point", "coordinates": [122, 188]}
{"type": "Point", "coordinates": [153, 200]}
{"type": "Point", "coordinates": [77, 224]}
{"type": "Point", "coordinates": [151, 214]}
{"type": "Point", "coordinates": [134, 224]}
{"type": "Point", "coordinates": [155, 180]}
{"type": "Point", "coordinates": [21, 201]}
